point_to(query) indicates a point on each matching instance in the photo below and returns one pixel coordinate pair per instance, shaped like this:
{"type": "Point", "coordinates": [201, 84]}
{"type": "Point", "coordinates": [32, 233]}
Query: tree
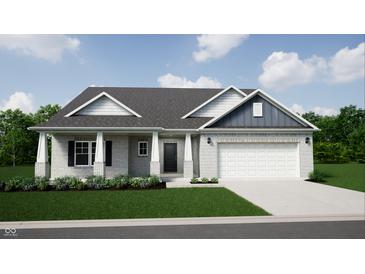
{"type": "Point", "coordinates": [45, 113]}
{"type": "Point", "coordinates": [16, 140]}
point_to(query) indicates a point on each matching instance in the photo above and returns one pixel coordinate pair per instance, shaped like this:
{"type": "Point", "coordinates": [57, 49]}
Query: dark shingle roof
{"type": "Point", "coordinates": [159, 107]}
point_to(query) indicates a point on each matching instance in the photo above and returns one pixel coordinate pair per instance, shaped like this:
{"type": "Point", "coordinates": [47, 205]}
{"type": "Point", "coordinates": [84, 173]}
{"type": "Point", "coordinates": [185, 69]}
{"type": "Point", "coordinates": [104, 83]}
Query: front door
{"type": "Point", "coordinates": [170, 157]}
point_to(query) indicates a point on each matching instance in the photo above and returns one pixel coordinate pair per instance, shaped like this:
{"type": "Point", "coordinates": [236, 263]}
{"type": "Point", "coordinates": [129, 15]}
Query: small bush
{"type": "Point", "coordinates": [62, 183]}
{"type": "Point", "coordinates": [96, 182]}
{"type": "Point", "coordinates": [2, 185]}
{"type": "Point", "coordinates": [28, 184]}
{"type": "Point", "coordinates": [214, 180]}
{"type": "Point", "coordinates": [195, 180]}
{"type": "Point", "coordinates": [205, 180]}
{"type": "Point", "coordinates": [119, 182]}
{"type": "Point", "coordinates": [317, 176]}
{"type": "Point", "coordinates": [137, 182]}
{"type": "Point", "coordinates": [75, 183]}
{"type": "Point", "coordinates": [154, 180]}
{"type": "Point", "coordinates": [41, 183]}
{"type": "Point", "coordinates": [14, 184]}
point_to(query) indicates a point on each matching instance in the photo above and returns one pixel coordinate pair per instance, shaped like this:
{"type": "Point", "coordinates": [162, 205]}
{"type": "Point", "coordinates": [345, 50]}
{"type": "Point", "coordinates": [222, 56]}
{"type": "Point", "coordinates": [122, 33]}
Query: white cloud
{"type": "Point", "coordinates": [348, 64]}
{"type": "Point", "coordinates": [318, 110]}
{"type": "Point", "coordinates": [215, 46]}
{"type": "Point", "coordinates": [46, 47]}
{"type": "Point", "coordinates": [297, 109]}
{"type": "Point", "coordinates": [282, 70]}
{"type": "Point", "coordinates": [20, 100]}
{"type": "Point", "coordinates": [173, 81]}
{"type": "Point", "coordinates": [325, 111]}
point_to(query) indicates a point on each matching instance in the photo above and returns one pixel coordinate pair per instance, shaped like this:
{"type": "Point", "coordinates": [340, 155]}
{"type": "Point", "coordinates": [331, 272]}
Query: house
{"type": "Point", "coordinates": [184, 132]}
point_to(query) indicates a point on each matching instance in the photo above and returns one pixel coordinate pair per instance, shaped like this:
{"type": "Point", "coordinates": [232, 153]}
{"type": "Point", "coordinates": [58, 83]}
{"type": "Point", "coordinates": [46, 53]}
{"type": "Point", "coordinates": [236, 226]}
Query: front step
{"type": "Point", "coordinates": [175, 179]}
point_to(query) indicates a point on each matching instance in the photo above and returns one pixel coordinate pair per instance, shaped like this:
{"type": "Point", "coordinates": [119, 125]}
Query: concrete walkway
{"type": "Point", "coordinates": [283, 196]}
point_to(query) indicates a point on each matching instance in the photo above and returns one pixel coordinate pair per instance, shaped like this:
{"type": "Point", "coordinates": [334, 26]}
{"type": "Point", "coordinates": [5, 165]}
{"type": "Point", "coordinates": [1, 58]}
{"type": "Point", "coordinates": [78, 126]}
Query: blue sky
{"type": "Point", "coordinates": [305, 72]}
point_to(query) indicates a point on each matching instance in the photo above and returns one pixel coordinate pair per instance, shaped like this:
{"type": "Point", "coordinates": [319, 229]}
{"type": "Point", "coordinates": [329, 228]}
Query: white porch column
{"type": "Point", "coordinates": [99, 164]}
{"type": "Point", "coordinates": [188, 157]}
{"type": "Point", "coordinates": [42, 165]}
{"type": "Point", "coordinates": [155, 155]}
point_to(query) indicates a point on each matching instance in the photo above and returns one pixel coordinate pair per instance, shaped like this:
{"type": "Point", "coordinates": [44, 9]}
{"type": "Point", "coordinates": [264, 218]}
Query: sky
{"type": "Point", "coordinates": [319, 73]}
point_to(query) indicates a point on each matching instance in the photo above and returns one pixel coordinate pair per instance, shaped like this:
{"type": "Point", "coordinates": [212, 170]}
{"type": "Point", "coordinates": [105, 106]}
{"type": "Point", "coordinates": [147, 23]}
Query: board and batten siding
{"type": "Point", "coordinates": [242, 117]}
{"type": "Point", "coordinates": [220, 104]}
{"type": "Point", "coordinates": [104, 106]}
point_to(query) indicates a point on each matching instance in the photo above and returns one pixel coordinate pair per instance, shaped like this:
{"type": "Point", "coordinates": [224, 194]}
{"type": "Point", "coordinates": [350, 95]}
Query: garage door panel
{"type": "Point", "coordinates": [257, 160]}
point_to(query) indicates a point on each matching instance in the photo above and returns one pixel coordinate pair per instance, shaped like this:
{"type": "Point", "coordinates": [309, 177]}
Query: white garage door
{"type": "Point", "coordinates": [258, 160]}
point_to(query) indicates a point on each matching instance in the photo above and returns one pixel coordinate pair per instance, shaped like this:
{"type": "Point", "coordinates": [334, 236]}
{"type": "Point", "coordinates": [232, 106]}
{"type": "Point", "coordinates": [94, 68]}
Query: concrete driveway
{"type": "Point", "coordinates": [295, 196]}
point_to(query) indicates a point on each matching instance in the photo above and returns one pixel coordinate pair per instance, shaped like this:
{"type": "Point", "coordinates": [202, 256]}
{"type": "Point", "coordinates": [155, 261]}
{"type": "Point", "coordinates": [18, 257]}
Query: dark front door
{"type": "Point", "coordinates": [170, 157]}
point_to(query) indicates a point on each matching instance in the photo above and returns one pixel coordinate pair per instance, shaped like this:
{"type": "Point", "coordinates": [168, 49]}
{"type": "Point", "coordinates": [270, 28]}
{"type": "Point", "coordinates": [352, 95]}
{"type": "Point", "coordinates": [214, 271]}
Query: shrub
{"type": "Point", "coordinates": [2, 186]}
{"type": "Point", "coordinates": [74, 183]}
{"type": "Point", "coordinates": [41, 183]}
{"type": "Point", "coordinates": [214, 180]}
{"type": "Point", "coordinates": [137, 182]}
{"type": "Point", "coordinates": [154, 180]}
{"type": "Point", "coordinates": [205, 180]}
{"type": "Point", "coordinates": [14, 184]}
{"type": "Point", "coordinates": [62, 183]}
{"type": "Point", "coordinates": [195, 180]}
{"type": "Point", "coordinates": [28, 184]}
{"type": "Point", "coordinates": [119, 182]}
{"type": "Point", "coordinates": [96, 182]}
{"type": "Point", "coordinates": [317, 176]}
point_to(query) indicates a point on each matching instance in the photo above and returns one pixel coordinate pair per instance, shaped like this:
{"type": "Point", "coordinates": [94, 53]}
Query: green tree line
{"type": "Point", "coordinates": [341, 138]}
{"type": "Point", "coordinates": [18, 145]}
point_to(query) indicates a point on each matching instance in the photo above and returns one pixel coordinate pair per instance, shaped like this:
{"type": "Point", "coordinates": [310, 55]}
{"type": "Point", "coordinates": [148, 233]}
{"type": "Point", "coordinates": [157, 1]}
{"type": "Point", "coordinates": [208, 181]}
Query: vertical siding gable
{"type": "Point", "coordinates": [242, 117]}
{"type": "Point", "coordinates": [220, 104]}
{"type": "Point", "coordinates": [104, 106]}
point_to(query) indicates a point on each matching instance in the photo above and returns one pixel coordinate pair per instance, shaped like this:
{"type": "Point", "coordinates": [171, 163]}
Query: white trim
{"type": "Point", "coordinates": [90, 163]}
{"type": "Point", "coordinates": [234, 130]}
{"type": "Point", "coordinates": [269, 98]}
{"type": "Point", "coordinates": [97, 97]}
{"type": "Point", "coordinates": [139, 154]}
{"type": "Point", "coordinates": [212, 98]}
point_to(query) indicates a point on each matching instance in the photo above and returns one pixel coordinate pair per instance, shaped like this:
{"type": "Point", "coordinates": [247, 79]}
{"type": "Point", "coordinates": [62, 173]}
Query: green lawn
{"type": "Point", "coordinates": [161, 203]}
{"type": "Point", "coordinates": [350, 176]}
{"type": "Point", "coordinates": [6, 172]}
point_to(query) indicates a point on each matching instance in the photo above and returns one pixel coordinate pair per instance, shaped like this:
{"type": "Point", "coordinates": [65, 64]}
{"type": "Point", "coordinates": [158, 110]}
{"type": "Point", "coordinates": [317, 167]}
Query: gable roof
{"type": "Point", "coordinates": [158, 107]}
{"type": "Point", "coordinates": [213, 98]}
{"type": "Point", "coordinates": [97, 97]}
{"type": "Point", "coordinates": [279, 105]}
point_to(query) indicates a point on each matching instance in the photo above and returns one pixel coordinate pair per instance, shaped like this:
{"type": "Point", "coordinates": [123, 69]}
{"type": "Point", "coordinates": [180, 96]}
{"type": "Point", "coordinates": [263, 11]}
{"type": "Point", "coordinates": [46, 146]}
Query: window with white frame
{"type": "Point", "coordinates": [85, 153]}
{"type": "Point", "coordinates": [257, 109]}
{"type": "Point", "coordinates": [142, 148]}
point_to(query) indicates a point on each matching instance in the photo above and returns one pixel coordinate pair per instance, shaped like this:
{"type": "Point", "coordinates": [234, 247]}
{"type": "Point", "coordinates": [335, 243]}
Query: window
{"type": "Point", "coordinates": [85, 153]}
{"type": "Point", "coordinates": [257, 109]}
{"type": "Point", "coordinates": [82, 153]}
{"type": "Point", "coordinates": [143, 148]}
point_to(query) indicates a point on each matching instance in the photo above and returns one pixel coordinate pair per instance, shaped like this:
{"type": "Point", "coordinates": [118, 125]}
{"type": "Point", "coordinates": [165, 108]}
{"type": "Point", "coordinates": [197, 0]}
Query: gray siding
{"type": "Point", "coordinates": [242, 117]}
{"type": "Point", "coordinates": [139, 165]}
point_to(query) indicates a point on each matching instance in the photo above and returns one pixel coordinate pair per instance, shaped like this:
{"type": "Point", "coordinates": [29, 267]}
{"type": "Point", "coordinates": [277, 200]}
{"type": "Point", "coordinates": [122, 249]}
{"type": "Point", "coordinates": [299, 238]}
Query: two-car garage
{"type": "Point", "coordinates": [258, 160]}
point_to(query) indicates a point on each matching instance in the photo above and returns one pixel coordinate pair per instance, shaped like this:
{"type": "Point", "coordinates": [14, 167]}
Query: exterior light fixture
{"type": "Point", "coordinates": [307, 140]}
{"type": "Point", "coordinates": [209, 140]}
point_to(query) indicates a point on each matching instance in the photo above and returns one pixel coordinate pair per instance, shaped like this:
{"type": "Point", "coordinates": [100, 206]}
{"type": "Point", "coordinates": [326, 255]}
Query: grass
{"type": "Point", "coordinates": [162, 203]}
{"type": "Point", "coordinates": [351, 176]}
{"type": "Point", "coordinates": [6, 172]}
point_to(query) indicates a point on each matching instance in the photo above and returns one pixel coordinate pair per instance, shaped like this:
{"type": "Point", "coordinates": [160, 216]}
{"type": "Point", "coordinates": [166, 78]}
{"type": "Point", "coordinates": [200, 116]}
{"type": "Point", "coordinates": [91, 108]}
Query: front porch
{"type": "Point", "coordinates": [108, 154]}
